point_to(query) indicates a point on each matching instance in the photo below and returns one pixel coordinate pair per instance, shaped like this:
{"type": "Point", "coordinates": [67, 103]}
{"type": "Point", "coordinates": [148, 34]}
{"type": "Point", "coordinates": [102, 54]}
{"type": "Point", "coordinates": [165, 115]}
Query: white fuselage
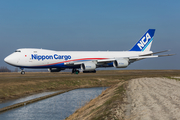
{"type": "Point", "coordinates": [42, 58]}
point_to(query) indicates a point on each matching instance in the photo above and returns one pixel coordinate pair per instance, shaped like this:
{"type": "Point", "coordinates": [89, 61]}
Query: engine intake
{"type": "Point", "coordinates": [88, 66]}
{"type": "Point", "coordinates": [121, 63]}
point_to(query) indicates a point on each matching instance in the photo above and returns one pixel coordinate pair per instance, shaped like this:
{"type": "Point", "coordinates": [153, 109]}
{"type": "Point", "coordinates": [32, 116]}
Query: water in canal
{"type": "Point", "coordinates": [30, 97]}
{"type": "Point", "coordinates": [55, 108]}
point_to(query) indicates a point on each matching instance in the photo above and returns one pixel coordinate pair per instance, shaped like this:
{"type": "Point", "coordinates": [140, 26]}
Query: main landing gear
{"type": "Point", "coordinates": [74, 71]}
{"type": "Point", "coordinates": [22, 71]}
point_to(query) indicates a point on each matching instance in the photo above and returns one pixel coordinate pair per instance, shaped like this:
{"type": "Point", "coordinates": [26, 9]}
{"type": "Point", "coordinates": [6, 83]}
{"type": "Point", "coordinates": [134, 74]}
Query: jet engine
{"type": "Point", "coordinates": [88, 66]}
{"type": "Point", "coordinates": [55, 69]}
{"type": "Point", "coordinates": [121, 63]}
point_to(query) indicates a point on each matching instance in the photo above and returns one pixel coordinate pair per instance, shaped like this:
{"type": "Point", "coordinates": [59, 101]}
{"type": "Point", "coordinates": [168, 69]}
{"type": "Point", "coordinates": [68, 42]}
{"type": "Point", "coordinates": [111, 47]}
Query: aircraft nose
{"type": "Point", "coordinates": [10, 60]}
{"type": "Point", "coordinates": [7, 59]}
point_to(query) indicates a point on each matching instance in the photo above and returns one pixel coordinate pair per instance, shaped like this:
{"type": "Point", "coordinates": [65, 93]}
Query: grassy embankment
{"type": "Point", "coordinates": [15, 85]}
{"type": "Point", "coordinates": [106, 106]}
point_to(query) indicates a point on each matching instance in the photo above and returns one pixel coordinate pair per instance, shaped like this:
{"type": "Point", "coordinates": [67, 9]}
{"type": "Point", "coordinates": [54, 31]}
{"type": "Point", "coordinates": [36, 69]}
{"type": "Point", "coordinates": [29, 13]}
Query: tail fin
{"type": "Point", "coordinates": [144, 44]}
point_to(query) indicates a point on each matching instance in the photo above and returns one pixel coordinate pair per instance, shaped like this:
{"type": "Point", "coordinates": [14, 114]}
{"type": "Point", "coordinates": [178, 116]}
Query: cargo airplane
{"type": "Point", "coordinates": [87, 61]}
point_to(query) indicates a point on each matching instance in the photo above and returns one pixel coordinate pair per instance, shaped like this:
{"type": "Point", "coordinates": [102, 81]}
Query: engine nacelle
{"type": "Point", "coordinates": [121, 63]}
{"type": "Point", "coordinates": [55, 69]}
{"type": "Point", "coordinates": [88, 66]}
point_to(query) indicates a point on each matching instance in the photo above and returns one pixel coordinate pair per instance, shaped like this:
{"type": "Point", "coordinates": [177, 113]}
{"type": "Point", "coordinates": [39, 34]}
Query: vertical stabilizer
{"type": "Point", "coordinates": [144, 44]}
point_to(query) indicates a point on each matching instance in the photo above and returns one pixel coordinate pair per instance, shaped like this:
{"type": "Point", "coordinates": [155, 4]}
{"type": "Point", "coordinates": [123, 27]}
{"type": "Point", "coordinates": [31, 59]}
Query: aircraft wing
{"type": "Point", "coordinates": [132, 59]}
{"type": "Point", "coordinates": [138, 57]}
{"type": "Point", "coordinates": [142, 57]}
{"type": "Point", "coordinates": [95, 61]}
{"type": "Point", "coordinates": [105, 61]}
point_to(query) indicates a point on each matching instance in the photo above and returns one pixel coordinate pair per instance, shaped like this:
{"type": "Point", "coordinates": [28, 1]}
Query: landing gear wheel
{"type": "Point", "coordinates": [77, 72]}
{"type": "Point", "coordinates": [22, 72]}
{"type": "Point", "coordinates": [74, 71]}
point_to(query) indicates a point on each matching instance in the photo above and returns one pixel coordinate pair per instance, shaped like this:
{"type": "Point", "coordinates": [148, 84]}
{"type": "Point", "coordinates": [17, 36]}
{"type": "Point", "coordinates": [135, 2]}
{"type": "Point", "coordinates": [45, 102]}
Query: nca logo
{"type": "Point", "coordinates": [144, 41]}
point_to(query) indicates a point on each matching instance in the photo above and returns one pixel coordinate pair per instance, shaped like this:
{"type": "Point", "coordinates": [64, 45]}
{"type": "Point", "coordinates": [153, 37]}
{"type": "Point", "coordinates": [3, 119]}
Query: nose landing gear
{"type": "Point", "coordinates": [22, 71]}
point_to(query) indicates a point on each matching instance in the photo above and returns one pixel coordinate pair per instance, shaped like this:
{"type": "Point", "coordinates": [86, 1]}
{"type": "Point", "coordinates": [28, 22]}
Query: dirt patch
{"type": "Point", "coordinates": [153, 99]}
{"type": "Point", "coordinates": [177, 77]}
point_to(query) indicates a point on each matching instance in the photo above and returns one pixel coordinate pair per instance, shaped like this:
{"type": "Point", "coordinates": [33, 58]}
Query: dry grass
{"type": "Point", "coordinates": [15, 85]}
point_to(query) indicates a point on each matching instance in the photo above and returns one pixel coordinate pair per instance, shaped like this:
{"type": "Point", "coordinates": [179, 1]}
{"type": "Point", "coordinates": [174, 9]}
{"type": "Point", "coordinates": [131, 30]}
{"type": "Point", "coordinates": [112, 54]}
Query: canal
{"type": "Point", "coordinates": [55, 108]}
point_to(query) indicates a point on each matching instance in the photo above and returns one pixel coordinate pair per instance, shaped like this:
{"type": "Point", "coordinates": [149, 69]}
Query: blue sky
{"type": "Point", "coordinates": [91, 25]}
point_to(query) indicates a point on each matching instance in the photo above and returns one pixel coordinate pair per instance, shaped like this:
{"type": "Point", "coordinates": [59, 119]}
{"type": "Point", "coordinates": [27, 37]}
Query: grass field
{"type": "Point", "coordinates": [15, 85]}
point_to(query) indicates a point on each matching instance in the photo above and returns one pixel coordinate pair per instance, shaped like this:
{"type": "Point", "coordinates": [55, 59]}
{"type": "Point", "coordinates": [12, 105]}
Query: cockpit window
{"type": "Point", "coordinates": [17, 51]}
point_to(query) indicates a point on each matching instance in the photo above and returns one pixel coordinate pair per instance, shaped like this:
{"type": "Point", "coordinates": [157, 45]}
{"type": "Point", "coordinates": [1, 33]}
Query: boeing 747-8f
{"type": "Point", "coordinates": [87, 61]}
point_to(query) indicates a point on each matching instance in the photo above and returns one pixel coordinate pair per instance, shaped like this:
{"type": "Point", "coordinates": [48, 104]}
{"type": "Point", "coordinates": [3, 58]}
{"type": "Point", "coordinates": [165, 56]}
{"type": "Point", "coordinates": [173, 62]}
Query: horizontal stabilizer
{"type": "Point", "coordinates": [166, 55]}
{"type": "Point", "coordinates": [155, 53]}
